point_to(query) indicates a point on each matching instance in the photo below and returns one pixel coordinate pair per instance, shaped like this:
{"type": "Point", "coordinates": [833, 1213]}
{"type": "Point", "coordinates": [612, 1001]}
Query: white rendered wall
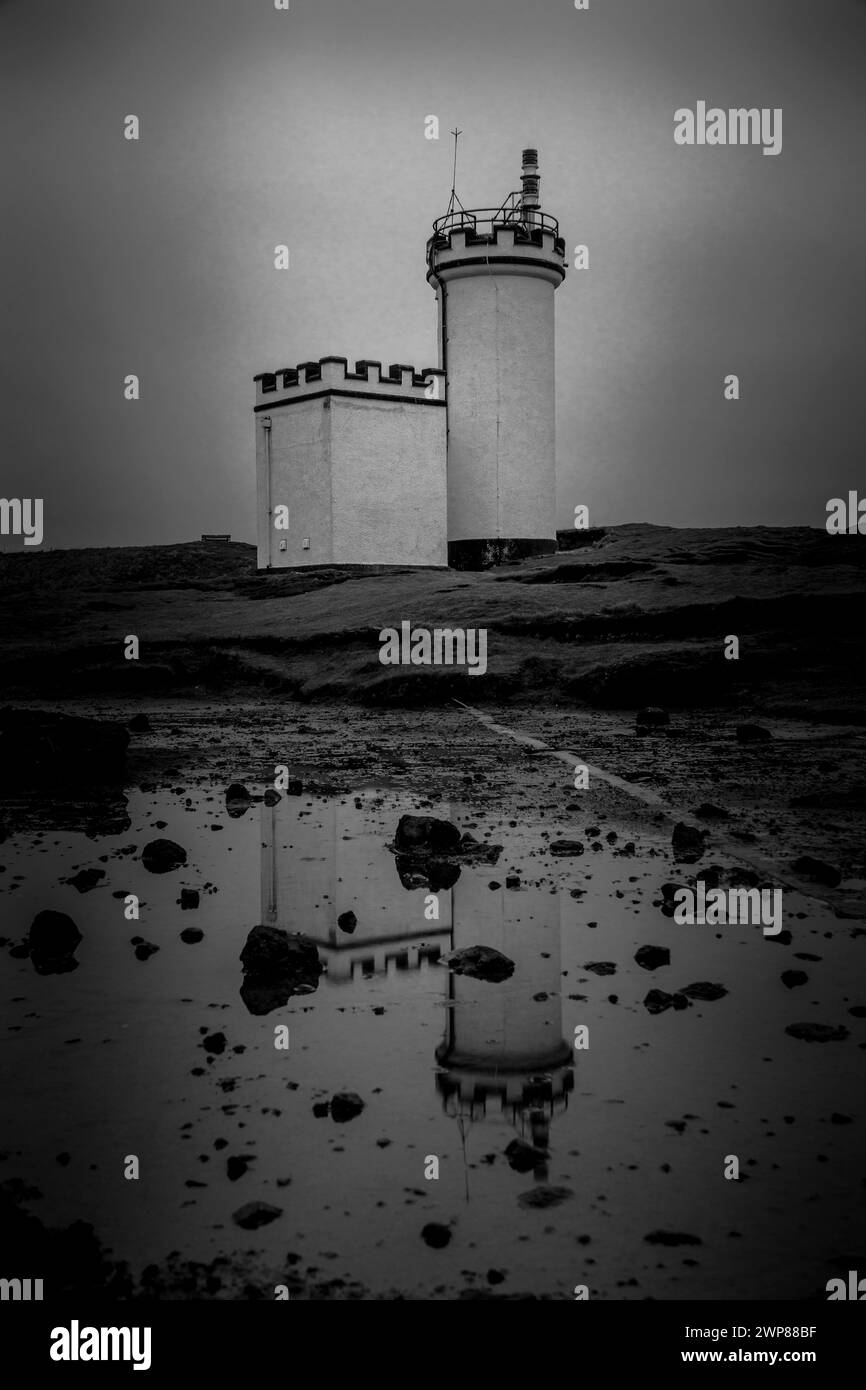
{"type": "Point", "coordinates": [389, 482]}
{"type": "Point", "coordinates": [501, 404]}
{"type": "Point", "coordinates": [299, 479]}
{"type": "Point", "coordinates": [364, 481]}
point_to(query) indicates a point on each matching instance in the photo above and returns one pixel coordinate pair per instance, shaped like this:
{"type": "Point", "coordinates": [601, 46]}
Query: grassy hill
{"type": "Point", "coordinates": [636, 614]}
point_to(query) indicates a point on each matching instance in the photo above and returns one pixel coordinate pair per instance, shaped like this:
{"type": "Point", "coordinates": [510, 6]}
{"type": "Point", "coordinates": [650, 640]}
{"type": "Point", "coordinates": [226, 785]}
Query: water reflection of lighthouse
{"type": "Point", "coordinates": [504, 1054]}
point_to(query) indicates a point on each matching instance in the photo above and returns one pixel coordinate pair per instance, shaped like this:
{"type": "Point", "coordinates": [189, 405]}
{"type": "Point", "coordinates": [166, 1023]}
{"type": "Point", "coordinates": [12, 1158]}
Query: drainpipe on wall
{"type": "Point", "coordinates": [266, 426]}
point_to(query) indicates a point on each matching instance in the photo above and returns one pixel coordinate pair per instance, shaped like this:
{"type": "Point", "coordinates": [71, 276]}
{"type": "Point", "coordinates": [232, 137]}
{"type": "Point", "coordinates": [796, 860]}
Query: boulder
{"type": "Point", "coordinates": [53, 936]}
{"type": "Point", "coordinates": [426, 835]}
{"type": "Point", "coordinates": [567, 848]}
{"type": "Point", "coordinates": [480, 963]}
{"type": "Point", "coordinates": [687, 842]}
{"type": "Point", "coordinates": [161, 856]}
{"type": "Point", "coordinates": [238, 800]}
{"type": "Point", "coordinates": [276, 966]}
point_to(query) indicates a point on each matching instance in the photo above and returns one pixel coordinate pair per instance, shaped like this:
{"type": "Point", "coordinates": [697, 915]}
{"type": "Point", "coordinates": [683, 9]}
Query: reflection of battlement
{"type": "Point", "coordinates": [469, 1092]}
{"type": "Point", "coordinates": [503, 1053]}
{"type": "Point", "coordinates": [331, 376]}
{"type": "Point", "coordinates": [320, 867]}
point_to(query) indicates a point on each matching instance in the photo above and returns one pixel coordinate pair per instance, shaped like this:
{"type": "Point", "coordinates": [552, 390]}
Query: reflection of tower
{"type": "Point", "coordinates": [495, 272]}
{"type": "Point", "coordinates": [504, 1045]}
{"type": "Point", "coordinates": [329, 858]}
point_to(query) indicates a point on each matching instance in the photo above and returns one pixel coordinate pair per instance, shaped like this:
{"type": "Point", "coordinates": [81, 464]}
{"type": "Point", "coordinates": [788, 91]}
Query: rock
{"type": "Point", "coordinates": [145, 949]}
{"type": "Point", "coordinates": [53, 938]}
{"type": "Point", "coordinates": [817, 1032]}
{"type": "Point", "coordinates": [294, 787]}
{"type": "Point", "coordinates": [347, 922]}
{"type": "Point", "coordinates": [189, 899]}
{"type": "Point", "coordinates": [345, 1105]}
{"type": "Point", "coordinates": [161, 856]}
{"type": "Point", "coordinates": [85, 879]}
{"type": "Point", "coordinates": [419, 871]}
{"type": "Point", "coordinates": [255, 1214]}
{"type": "Point", "coordinates": [271, 797]}
{"type": "Point", "coordinates": [601, 967]}
{"type": "Point", "coordinates": [237, 1165]}
{"type": "Point", "coordinates": [687, 842]}
{"type": "Point", "coordinates": [708, 811]}
{"type": "Point", "coordinates": [540, 1198]}
{"type": "Point", "coordinates": [215, 1043]}
{"type": "Point", "coordinates": [523, 1157]}
{"type": "Point", "coordinates": [435, 1235]}
{"type": "Point", "coordinates": [191, 935]}
{"type": "Point", "coordinates": [651, 957]}
{"type": "Point", "coordinates": [565, 848]}
{"type": "Point", "coordinates": [238, 800]}
{"type": "Point", "coordinates": [480, 963]}
{"type": "Point", "coordinates": [704, 990]}
{"type": "Point", "coordinates": [62, 748]}
{"type": "Point", "coordinates": [139, 724]}
{"type": "Point", "coordinates": [512, 881]}
{"type": "Point", "coordinates": [817, 870]}
{"type": "Point", "coordinates": [652, 715]}
{"type": "Point", "coordinates": [276, 966]}
{"type": "Point", "coordinates": [753, 733]}
{"type": "Point", "coordinates": [657, 1001]}
{"type": "Point", "coordinates": [426, 834]}
{"type": "Point", "coordinates": [672, 1238]}
{"type": "Point", "coordinates": [792, 978]}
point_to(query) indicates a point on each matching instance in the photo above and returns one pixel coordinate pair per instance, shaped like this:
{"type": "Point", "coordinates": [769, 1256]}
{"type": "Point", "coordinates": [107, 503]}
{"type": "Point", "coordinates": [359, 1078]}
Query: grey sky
{"type": "Point", "coordinates": [307, 127]}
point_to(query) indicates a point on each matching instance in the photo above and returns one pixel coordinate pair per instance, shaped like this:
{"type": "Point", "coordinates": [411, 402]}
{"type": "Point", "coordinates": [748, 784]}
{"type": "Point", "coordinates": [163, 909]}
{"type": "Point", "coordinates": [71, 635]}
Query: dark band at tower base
{"type": "Point", "coordinates": [499, 550]}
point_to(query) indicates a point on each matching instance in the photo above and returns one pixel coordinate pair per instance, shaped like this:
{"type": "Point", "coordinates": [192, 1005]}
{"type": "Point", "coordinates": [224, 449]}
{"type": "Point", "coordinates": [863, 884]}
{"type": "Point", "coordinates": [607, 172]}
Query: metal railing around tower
{"type": "Point", "coordinates": [482, 221]}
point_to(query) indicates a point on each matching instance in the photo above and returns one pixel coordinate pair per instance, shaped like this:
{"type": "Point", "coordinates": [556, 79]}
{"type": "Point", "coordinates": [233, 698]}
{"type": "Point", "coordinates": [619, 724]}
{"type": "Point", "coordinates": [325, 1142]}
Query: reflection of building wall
{"type": "Point", "coordinates": [333, 860]}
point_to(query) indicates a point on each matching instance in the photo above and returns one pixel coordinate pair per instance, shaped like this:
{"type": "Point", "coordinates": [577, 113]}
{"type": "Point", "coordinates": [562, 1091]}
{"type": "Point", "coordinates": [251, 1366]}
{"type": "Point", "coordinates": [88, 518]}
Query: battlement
{"type": "Point", "coordinates": [330, 376]}
{"type": "Point", "coordinates": [476, 240]}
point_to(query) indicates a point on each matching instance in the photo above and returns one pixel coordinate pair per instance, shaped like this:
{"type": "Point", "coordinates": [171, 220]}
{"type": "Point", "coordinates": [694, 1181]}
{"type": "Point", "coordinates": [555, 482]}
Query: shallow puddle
{"type": "Point", "coordinates": [164, 1059]}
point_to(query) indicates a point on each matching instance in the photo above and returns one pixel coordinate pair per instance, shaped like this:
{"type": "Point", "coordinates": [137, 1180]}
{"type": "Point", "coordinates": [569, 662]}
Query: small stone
{"type": "Point", "coordinates": [651, 957]}
{"type": "Point", "coordinates": [435, 1235]}
{"type": "Point", "coordinates": [817, 1032]}
{"type": "Point", "coordinates": [792, 978]}
{"type": "Point", "coordinates": [255, 1214]}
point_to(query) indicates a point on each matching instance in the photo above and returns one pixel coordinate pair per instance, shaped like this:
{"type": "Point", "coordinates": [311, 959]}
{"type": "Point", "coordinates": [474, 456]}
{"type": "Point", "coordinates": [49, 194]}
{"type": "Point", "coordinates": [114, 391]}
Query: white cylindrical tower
{"type": "Point", "coordinates": [495, 271]}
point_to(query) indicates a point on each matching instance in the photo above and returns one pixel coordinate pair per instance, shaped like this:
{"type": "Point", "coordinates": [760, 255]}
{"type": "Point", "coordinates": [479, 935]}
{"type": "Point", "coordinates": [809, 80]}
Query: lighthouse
{"type": "Point", "coordinates": [495, 272]}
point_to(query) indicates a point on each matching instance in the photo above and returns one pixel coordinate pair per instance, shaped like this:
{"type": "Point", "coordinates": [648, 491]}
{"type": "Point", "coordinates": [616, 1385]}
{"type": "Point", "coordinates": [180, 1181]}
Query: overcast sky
{"type": "Point", "coordinates": [260, 127]}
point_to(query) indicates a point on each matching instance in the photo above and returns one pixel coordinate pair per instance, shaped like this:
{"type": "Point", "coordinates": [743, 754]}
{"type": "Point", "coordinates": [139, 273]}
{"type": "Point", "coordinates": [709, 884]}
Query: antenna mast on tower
{"type": "Point", "coordinates": [454, 199]}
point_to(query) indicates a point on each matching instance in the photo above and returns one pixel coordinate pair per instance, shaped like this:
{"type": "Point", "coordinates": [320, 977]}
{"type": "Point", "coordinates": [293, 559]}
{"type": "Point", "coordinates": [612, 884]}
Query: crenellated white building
{"type": "Point", "coordinates": [454, 464]}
